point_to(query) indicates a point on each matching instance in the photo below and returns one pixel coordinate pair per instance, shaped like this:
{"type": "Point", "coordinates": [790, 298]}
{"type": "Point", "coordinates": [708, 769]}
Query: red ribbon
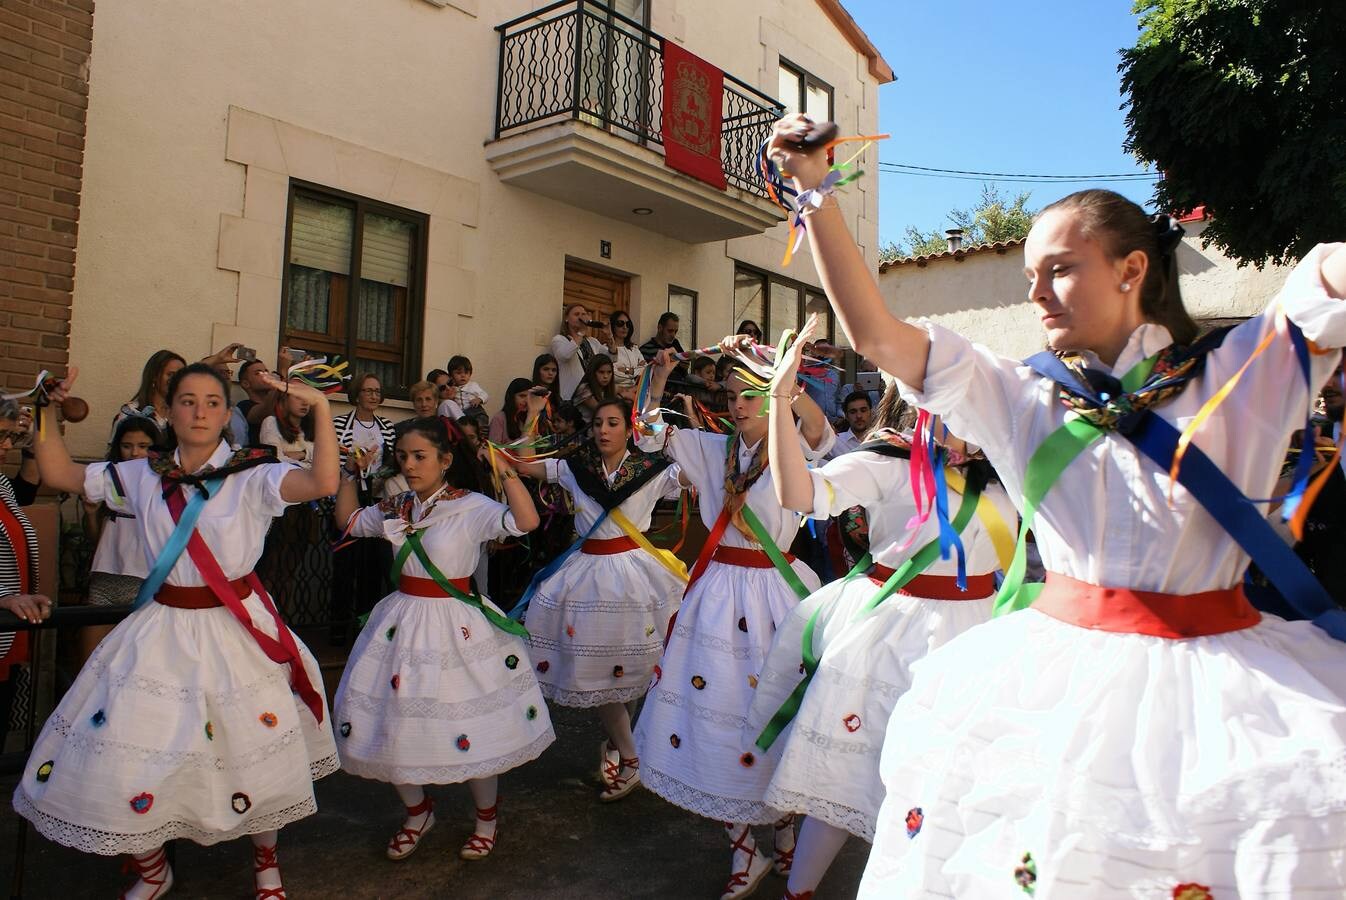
{"type": "Point", "coordinates": [18, 540]}
{"type": "Point", "coordinates": [282, 650]}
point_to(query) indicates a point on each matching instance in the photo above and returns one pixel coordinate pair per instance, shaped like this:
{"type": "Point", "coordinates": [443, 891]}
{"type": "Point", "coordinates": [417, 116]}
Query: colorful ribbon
{"type": "Point", "coordinates": [411, 545]}
{"type": "Point", "coordinates": [326, 374]}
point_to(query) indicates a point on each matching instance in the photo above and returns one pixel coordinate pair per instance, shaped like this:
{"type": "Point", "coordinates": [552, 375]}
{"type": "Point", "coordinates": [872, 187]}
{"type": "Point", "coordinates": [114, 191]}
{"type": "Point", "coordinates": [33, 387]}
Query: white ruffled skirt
{"type": "Point", "coordinates": [1030, 752]}
{"type": "Point", "coordinates": [435, 694]}
{"type": "Point", "coordinates": [598, 625]}
{"type": "Point", "coordinates": [690, 730]}
{"type": "Point", "coordinates": [178, 726]}
{"type": "Point", "coordinates": [826, 762]}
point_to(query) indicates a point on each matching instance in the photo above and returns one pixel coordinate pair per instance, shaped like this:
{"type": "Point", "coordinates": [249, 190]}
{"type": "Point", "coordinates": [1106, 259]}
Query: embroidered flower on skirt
{"type": "Point", "coordinates": [698, 682]}
{"type": "Point", "coordinates": [142, 802]}
{"type": "Point", "coordinates": [210, 731]}
{"type": "Point", "coordinates": [98, 719]}
{"type": "Point", "coordinates": [392, 630]}
{"type": "Point", "coordinates": [543, 666]}
{"type": "Point", "coordinates": [618, 671]}
{"type": "Point", "coordinates": [852, 723]}
{"type": "Point", "coordinates": [395, 681]}
{"type": "Point", "coordinates": [531, 714]}
{"type": "Point", "coordinates": [915, 819]}
{"type": "Point", "coordinates": [240, 802]}
{"type": "Point", "coordinates": [747, 760]}
{"type": "Point", "coordinates": [675, 741]}
{"type": "Point", "coordinates": [743, 624]}
{"type": "Point", "coordinates": [463, 743]}
{"type": "Point", "coordinates": [658, 674]}
{"type": "Point", "coordinates": [1192, 891]}
{"type": "Point", "coordinates": [511, 662]}
{"type": "Point", "coordinates": [1026, 874]}
{"type": "Point", "coordinates": [268, 719]}
{"type": "Point", "coordinates": [752, 682]}
{"type": "Point", "coordinates": [345, 729]}
{"type": "Point", "coordinates": [44, 770]}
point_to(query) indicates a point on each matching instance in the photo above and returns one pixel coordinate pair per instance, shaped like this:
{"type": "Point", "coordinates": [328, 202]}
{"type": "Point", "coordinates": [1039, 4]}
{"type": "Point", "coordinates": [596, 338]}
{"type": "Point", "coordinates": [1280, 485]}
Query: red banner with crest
{"type": "Point", "coordinates": [693, 98]}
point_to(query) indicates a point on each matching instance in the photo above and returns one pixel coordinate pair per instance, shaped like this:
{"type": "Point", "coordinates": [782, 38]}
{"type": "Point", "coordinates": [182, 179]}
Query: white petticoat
{"type": "Point", "coordinates": [435, 694]}
{"type": "Point", "coordinates": [826, 762]}
{"type": "Point", "coordinates": [1125, 765]}
{"type": "Point", "coordinates": [178, 726]}
{"type": "Point", "coordinates": [599, 625]}
{"type": "Point", "coordinates": [690, 730]}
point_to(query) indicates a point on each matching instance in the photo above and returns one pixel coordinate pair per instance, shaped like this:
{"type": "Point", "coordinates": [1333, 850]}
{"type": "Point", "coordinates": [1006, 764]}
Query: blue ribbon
{"type": "Point", "coordinates": [551, 569]}
{"type": "Point", "coordinates": [177, 541]}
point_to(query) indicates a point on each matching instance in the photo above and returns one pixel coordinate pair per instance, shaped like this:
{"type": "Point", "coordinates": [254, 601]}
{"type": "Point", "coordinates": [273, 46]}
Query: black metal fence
{"type": "Point", "coordinates": [581, 60]}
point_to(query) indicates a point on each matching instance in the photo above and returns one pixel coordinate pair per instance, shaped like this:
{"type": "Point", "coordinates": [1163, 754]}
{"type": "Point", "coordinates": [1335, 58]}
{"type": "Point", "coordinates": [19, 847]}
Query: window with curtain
{"type": "Point", "coordinates": [802, 92]}
{"type": "Point", "coordinates": [776, 303]}
{"type": "Point", "coordinates": [749, 297]}
{"type": "Point", "coordinates": [354, 284]}
{"type": "Point", "coordinates": [683, 302]}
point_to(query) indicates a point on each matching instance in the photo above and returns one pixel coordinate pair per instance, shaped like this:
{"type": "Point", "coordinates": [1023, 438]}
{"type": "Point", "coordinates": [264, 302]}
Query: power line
{"type": "Point", "coordinates": [1024, 178]}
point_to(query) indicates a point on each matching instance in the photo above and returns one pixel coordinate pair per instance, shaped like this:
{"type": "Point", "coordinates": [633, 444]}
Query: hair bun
{"type": "Point", "coordinates": [1167, 232]}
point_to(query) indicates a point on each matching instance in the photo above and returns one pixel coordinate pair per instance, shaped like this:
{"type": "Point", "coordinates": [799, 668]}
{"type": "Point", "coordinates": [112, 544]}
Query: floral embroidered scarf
{"type": "Point", "coordinates": [636, 471]}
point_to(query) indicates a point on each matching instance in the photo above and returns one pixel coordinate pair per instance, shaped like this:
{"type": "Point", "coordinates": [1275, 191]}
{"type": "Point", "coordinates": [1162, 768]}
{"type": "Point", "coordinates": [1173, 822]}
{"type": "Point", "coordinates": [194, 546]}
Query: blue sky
{"type": "Point", "coordinates": [996, 86]}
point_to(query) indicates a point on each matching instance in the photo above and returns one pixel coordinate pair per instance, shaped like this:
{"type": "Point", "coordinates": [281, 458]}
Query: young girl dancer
{"type": "Point", "coordinates": [119, 565]}
{"type": "Point", "coordinates": [864, 633]}
{"type": "Point", "coordinates": [1141, 730]}
{"type": "Point", "coordinates": [438, 689]}
{"type": "Point", "coordinates": [689, 732]}
{"type": "Point", "coordinates": [200, 716]}
{"type": "Point", "coordinates": [597, 624]}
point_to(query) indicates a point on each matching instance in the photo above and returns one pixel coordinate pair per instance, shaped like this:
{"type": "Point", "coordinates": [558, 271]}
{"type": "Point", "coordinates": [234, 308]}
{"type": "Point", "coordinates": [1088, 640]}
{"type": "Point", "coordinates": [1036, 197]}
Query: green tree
{"type": "Point", "coordinates": [1240, 103]}
{"type": "Point", "coordinates": [994, 218]}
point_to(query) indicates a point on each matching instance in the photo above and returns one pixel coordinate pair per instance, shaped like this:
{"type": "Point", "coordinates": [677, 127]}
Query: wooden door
{"type": "Point", "coordinates": [600, 292]}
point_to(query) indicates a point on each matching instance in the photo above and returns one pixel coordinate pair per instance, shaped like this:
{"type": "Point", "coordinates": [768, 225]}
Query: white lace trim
{"type": "Point", "coordinates": [587, 699]}
{"type": "Point", "coordinates": [838, 815]}
{"type": "Point", "coordinates": [380, 648]}
{"type": "Point", "coordinates": [448, 774]}
{"type": "Point", "coordinates": [651, 649]}
{"type": "Point", "coordinates": [276, 680]}
{"type": "Point", "coordinates": [714, 716]}
{"type": "Point", "coordinates": [387, 705]}
{"type": "Point", "coordinates": [712, 806]}
{"type": "Point", "coordinates": [710, 641]}
{"type": "Point", "coordinates": [600, 604]}
{"type": "Point", "coordinates": [82, 741]}
{"type": "Point", "coordinates": [103, 843]}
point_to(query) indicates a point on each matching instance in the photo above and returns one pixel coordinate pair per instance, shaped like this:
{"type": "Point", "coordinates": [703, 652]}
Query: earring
{"type": "Point", "coordinates": [1126, 285]}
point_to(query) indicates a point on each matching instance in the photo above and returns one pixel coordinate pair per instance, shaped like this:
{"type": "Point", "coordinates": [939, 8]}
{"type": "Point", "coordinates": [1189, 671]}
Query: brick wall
{"type": "Point", "coordinates": [44, 94]}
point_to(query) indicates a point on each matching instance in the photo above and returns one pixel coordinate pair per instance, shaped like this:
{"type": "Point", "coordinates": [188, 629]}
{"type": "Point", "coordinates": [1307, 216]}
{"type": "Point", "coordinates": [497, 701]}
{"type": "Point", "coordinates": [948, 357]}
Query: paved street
{"type": "Point", "coordinates": [556, 841]}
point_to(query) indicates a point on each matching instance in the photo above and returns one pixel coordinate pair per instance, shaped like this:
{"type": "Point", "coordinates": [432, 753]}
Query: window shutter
{"type": "Point", "coordinates": [386, 252]}
{"type": "Point", "coordinates": [320, 235]}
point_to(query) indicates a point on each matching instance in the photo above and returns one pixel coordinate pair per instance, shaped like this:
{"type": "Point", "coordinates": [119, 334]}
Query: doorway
{"type": "Point", "coordinates": [601, 292]}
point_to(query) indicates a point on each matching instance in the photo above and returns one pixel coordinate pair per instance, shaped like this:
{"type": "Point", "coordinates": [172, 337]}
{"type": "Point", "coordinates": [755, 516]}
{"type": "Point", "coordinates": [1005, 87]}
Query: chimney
{"type": "Point", "coordinates": [954, 237]}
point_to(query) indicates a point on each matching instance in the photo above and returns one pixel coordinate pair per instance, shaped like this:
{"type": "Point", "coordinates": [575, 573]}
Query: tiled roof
{"type": "Point", "coordinates": [1000, 247]}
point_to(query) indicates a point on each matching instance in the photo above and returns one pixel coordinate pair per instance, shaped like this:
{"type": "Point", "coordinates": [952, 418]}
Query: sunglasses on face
{"type": "Point", "coordinates": [622, 323]}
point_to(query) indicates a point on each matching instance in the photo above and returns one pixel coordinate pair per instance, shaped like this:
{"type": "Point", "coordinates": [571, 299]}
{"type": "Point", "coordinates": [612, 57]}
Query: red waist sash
{"type": "Point", "coordinates": [607, 546]}
{"type": "Point", "coordinates": [1126, 611]}
{"type": "Point", "coordinates": [198, 597]}
{"type": "Point", "coordinates": [426, 587]}
{"type": "Point", "coordinates": [939, 587]}
{"type": "Point", "coordinates": [746, 557]}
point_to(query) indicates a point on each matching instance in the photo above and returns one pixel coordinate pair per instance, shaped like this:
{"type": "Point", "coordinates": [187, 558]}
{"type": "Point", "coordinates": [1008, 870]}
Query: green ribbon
{"type": "Point", "coordinates": [918, 563]}
{"type": "Point", "coordinates": [413, 545]}
{"type": "Point", "coordinates": [773, 553]}
{"type": "Point", "coordinates": [1044, 467]}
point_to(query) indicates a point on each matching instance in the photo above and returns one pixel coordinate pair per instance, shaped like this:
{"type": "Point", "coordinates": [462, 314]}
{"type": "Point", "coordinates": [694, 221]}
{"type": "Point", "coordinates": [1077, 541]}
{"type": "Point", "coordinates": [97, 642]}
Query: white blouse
{"type": "Point", "coordinates": [1107, 520]}
{"type": "Point", "coordinates": [882, 485]}
{"type": "Point", "coordinates": [701, 455]}
{"type": "Point", "coordinates": [119, 551]}
{"type": "Point", "coordinates": [452, 531]}
{"type": "Point", "coordinates": [233, 523]}
{"type": "Point", "coordinates": [569, 367]}
{"type": "Point", "coordinates": [627, 364]}
{"type": "Point", "coordinates": [639, 507]}
{"type": "Point", "coordinates": [269, 435]}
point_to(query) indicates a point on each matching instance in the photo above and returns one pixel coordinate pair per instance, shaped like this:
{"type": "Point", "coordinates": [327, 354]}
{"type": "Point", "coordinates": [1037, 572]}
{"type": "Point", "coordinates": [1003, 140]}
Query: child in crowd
{"type": "Point", "coordinates": [471, 397]}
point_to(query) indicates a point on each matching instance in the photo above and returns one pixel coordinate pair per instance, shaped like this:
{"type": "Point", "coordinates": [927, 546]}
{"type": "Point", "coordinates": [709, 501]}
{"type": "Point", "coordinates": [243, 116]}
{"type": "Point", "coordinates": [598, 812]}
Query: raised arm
{"type": "Point", "coordinates": [897, 347]}
{"type": "Point", "coordinates": [531, 468]}
{"type": "Point", "coordinates": [664, 364]}
{"type": "Point", "coordinates": [794, 488]}
{"type": "Point", "coordinates": [324, 478]}
{"type": "Point", "coordinates": [520, 503]}
{"type": "Point", "coordinates": [54, 465]}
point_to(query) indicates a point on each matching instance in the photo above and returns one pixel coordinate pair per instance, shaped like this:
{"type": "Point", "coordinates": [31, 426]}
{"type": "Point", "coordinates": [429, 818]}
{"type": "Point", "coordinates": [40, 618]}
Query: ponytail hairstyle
{"type": "Point", "coordinates": [175, 383]}
{"type": "Point", "coordinates": [1123, 227]}
{"type": "Point", "coordinates": [462, 473]}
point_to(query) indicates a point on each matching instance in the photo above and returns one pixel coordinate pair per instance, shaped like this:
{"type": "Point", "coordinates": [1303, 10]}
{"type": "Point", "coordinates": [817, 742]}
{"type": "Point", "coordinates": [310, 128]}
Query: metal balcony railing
{"type": "Point", "coordinates": [581, 60]}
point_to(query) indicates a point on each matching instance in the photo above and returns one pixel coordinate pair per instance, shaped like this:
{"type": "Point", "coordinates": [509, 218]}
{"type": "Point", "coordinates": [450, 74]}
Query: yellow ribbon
{"type": "Point", "coordinates": [665, 558]}
{"type": "Point", "coordinates": [997, 529]}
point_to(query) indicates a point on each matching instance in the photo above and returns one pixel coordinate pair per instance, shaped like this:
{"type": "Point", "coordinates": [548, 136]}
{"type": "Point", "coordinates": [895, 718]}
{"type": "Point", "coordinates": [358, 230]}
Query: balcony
{"type": "Point", "coordinates": [579, 119]}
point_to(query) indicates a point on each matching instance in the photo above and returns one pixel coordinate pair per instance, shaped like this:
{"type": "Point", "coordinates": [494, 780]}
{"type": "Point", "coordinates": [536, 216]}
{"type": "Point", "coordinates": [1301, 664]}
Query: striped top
{"type": "Point", "coordinates": [9, 565]}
